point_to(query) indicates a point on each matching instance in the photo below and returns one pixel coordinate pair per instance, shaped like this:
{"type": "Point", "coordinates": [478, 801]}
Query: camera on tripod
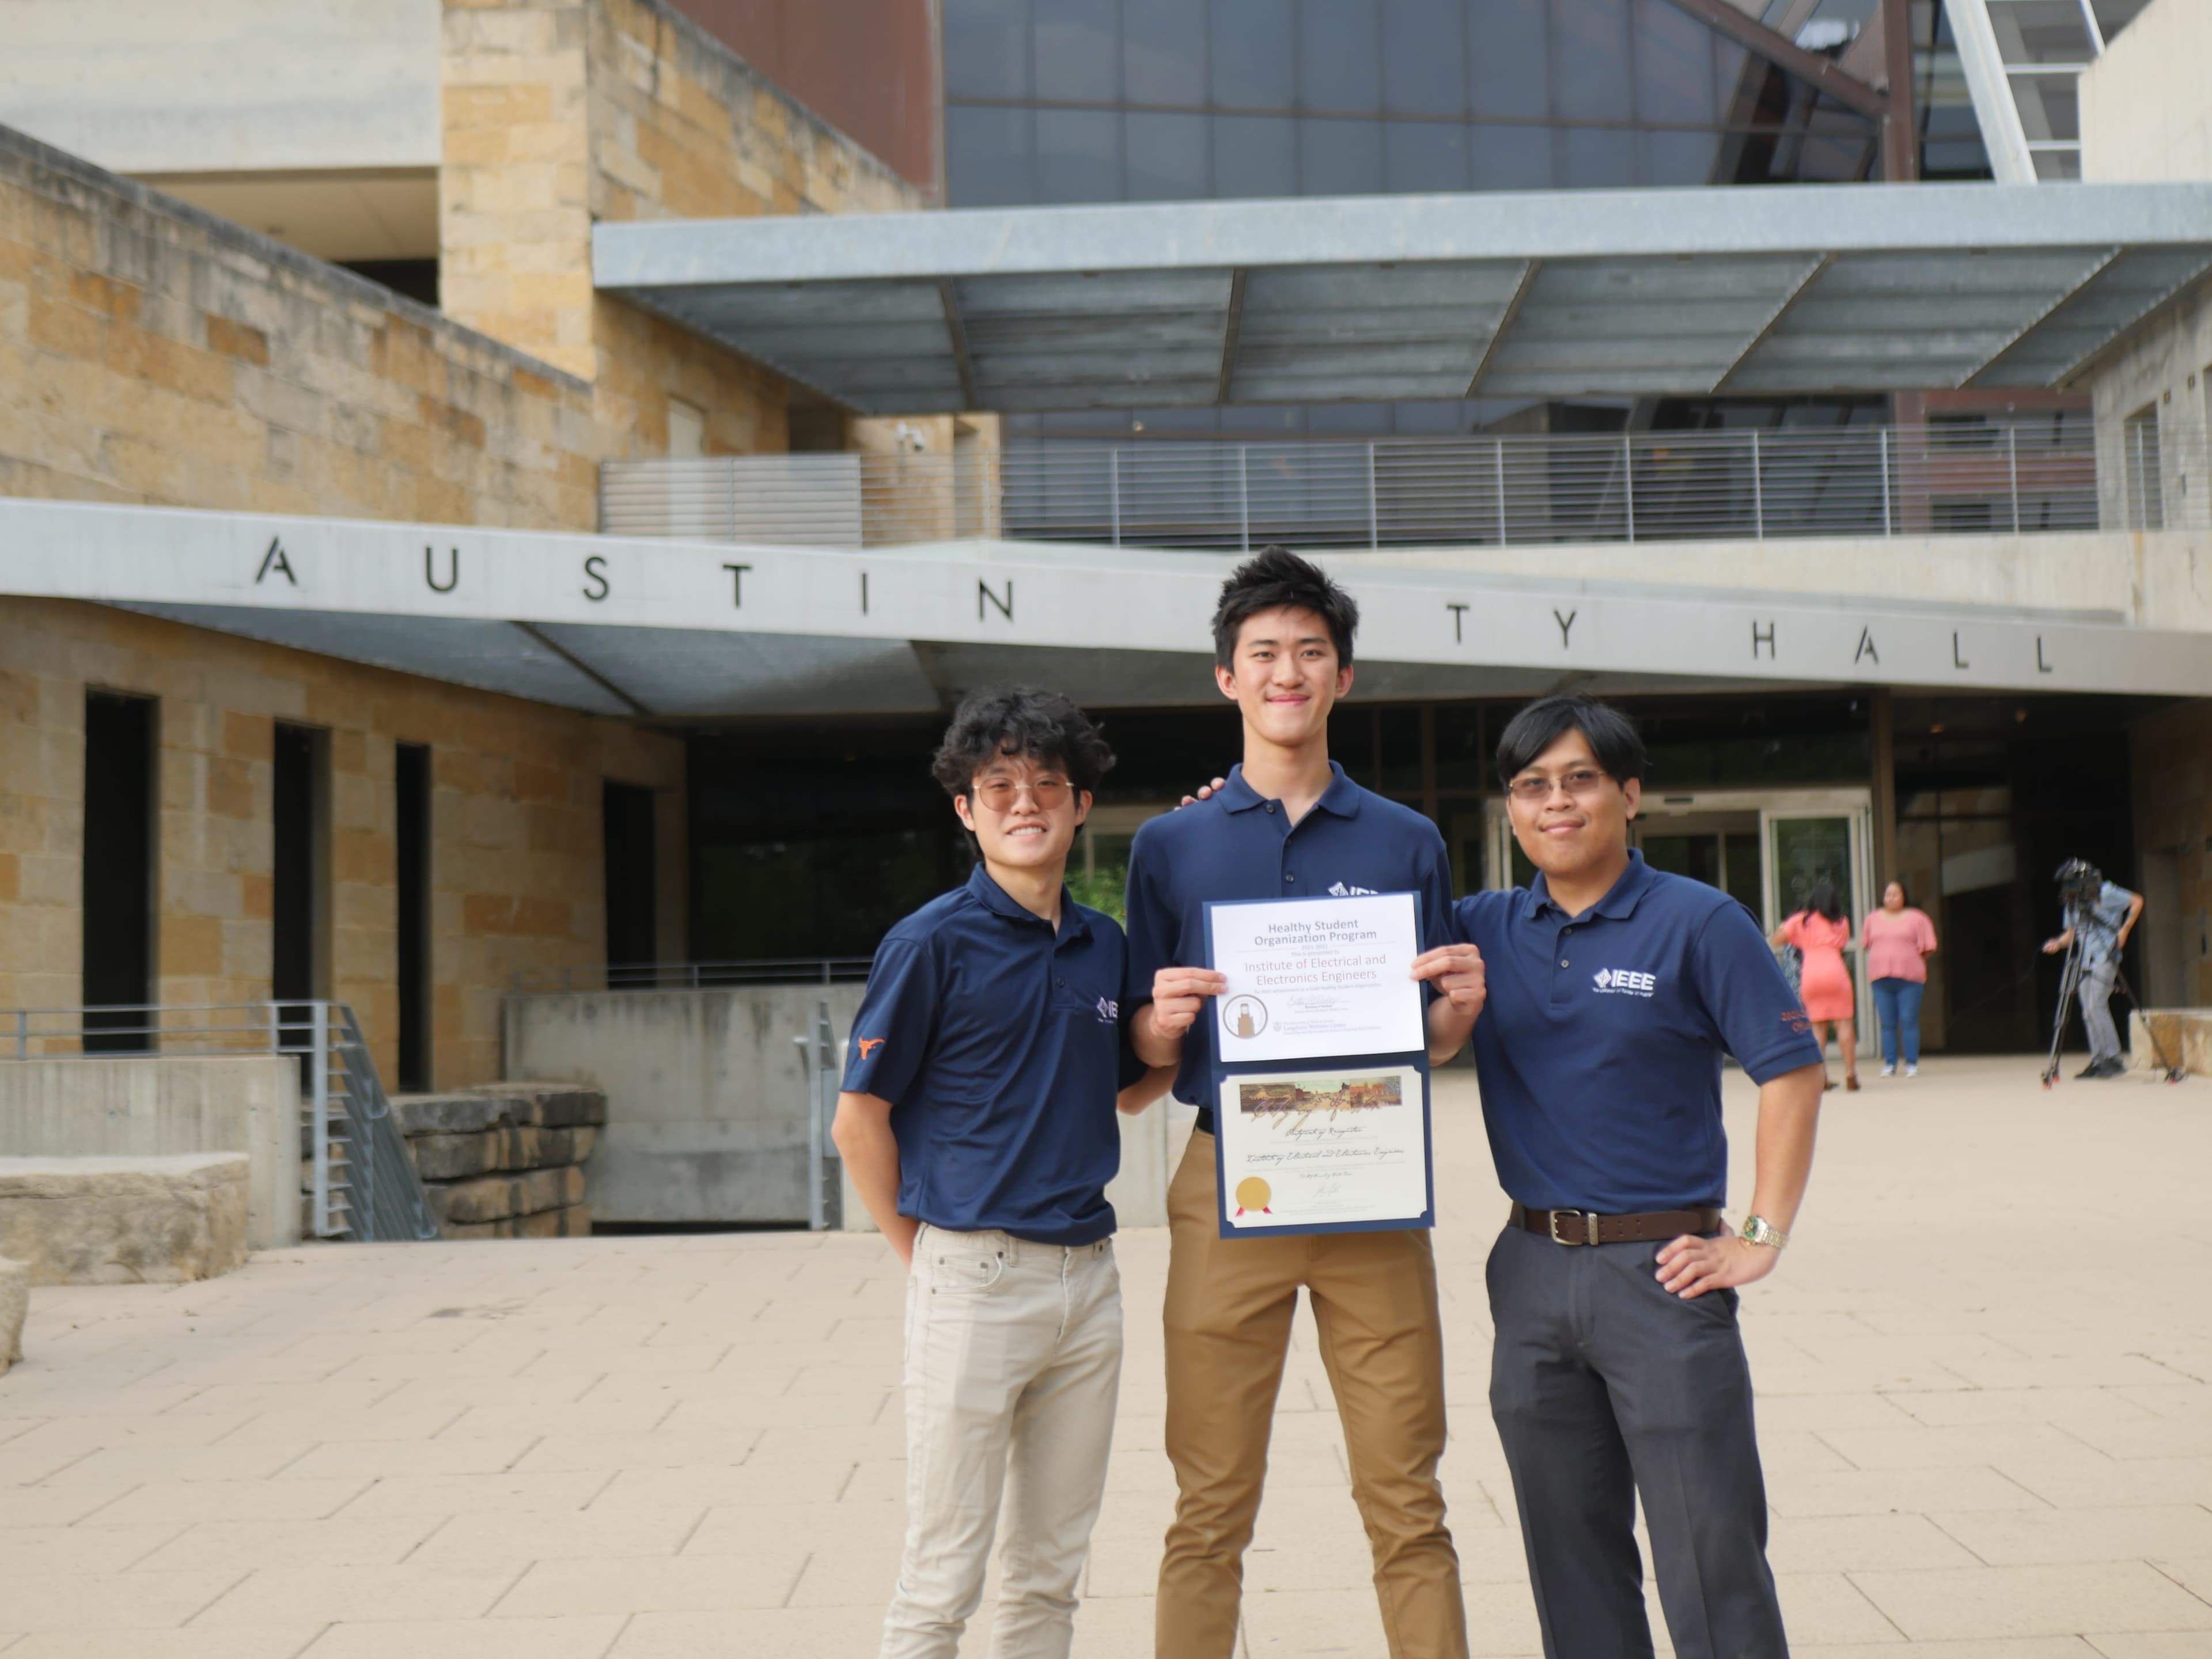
{"type": "Point", "coordinates": [2079, 883]}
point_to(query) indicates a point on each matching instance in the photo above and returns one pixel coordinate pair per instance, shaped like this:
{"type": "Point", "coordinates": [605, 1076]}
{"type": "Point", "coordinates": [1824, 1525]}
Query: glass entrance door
{"type": "Point", "coordinates": [1807, 846]}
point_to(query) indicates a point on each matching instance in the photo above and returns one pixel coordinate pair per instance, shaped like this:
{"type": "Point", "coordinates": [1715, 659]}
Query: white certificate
{"type": "Point", "coordinates": [1323, 1151]}
{"type": "Point", "coordinates": [1317, 979]}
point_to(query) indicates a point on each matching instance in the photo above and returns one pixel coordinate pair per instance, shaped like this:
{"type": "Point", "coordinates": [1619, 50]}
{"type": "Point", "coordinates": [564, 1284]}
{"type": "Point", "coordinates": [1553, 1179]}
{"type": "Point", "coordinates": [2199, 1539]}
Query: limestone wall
{"type": "Point", "coordinates": [559, 112]}
{"type": "Point", "coordinates": [154, 353]}
{"type": "Point", "coordinates": [2144, 114]}
{"type": "Point", "coordinates": [515, 862]}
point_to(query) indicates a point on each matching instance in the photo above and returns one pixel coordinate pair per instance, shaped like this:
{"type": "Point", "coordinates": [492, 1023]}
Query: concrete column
{"type": "Point", "coordinates": [1885, 790]}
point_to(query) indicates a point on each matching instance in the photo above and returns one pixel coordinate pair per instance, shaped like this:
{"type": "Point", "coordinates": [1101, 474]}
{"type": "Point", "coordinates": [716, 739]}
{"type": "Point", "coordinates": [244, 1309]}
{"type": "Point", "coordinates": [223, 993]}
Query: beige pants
{"type": "Point", "coordinates": [1228, 1308]}
{"type": "Point", "coordinates": [1013, 1359]}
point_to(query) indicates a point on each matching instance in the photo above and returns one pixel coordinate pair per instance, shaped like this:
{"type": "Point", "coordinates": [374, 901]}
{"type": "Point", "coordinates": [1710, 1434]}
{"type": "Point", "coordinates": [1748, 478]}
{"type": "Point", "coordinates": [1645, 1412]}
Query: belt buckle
{"type": "Point", "coordinates": [1588, 1217]}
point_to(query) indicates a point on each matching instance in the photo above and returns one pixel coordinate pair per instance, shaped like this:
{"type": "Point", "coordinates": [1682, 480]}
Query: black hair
{"type": "Point", "coordinates": [1611, 735]}
{"type": "Point", "coordinates": [1021, 719]}
{"type": "Point", "coordinates": [1822, 902]}
{"type": "Point", "coordinates": [1271, 579]}
{"type": "Point", "coordinates": [1898, 882]}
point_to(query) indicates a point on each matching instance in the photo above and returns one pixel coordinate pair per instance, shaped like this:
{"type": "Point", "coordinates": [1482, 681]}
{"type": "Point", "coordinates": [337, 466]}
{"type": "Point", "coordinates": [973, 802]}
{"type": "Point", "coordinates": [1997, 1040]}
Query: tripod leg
{"type": "Point", "coordinates": [2173, 1073]}
{"type": "Point", "coordinates": [2069, 979]}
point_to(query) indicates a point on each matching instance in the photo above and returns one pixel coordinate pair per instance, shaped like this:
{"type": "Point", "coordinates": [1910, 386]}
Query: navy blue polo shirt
{"type": "Point", "coordinates": [1599, 1049]}
{"type": "Point", "coordinates": [999, 1044]}
{"type": "Point", "coordinates": [1238, 845]}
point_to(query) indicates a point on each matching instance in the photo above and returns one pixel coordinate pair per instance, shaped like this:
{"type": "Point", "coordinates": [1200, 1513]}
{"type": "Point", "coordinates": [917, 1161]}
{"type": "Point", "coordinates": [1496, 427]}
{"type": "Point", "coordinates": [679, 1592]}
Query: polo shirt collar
{"type": "Point", "coordinates": [1341, 798]}
{"type": "Point", "coordinates": [1617, 905]}
{"type": "Point", "coordinates": [993, 898]}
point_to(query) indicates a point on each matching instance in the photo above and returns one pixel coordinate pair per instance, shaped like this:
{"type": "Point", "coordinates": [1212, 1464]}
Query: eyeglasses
{"type": "Point", "coordinates": [1000, 794]}
{"type": "Point", "coordinates": [1535, 792]}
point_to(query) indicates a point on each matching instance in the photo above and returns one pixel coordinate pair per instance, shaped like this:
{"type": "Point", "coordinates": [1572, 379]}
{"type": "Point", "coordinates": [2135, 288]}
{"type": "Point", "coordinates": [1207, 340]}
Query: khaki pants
{"type": "Point", "coordinates": [1013, 1358]}
{"type": "Point", "coordinates": [1228, 1308]}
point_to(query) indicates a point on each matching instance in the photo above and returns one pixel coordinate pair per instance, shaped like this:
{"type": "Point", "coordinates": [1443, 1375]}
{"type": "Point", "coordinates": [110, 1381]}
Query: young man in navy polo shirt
{"type": "Point", "coordinates": [1617, 1366]}
{"type": "Point", "coordinates": [1289, 823]}
{"type": "Point", "coordinates": [977, 1123]}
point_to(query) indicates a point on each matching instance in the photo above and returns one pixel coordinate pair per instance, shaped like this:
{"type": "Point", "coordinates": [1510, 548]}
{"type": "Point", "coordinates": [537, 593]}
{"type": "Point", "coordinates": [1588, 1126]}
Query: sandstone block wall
{"type": "Point", "coordinates": [124, 1220]}
{"type": "Point", "coordinates": [561, 112]}
{"type": "Point", "coordinates": [515, 859]}
{"type": "Point", "coordinates": [505, 1160]}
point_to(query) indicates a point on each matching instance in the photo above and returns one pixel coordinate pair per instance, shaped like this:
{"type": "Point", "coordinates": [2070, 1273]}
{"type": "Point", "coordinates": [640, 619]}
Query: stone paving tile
{"type": "Point", "coordinates": [1976, 1449]}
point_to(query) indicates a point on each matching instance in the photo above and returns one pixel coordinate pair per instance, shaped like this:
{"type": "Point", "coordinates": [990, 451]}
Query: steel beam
{"type": "Point", "coordinates": [1232, 324]}
{"type": "Point", "coordinates": [1788, 300]}
{"type": "Point", "coordinates": [1783, 53]}
{"type": "Point", "coordinates": [956, 332]}
{"type": "Point", "coordinates": [1520, 287]}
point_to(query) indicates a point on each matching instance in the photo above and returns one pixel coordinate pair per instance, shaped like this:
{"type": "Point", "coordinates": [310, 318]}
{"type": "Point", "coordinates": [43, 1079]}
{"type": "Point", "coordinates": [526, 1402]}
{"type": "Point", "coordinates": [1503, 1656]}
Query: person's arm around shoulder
{"type": "Point", "coordinates": [1750, 1004]}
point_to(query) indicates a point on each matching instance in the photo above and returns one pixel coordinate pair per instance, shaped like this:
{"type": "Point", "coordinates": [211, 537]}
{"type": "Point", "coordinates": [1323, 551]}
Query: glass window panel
{"type": "Point", "coordinates": [1507, 59]}
{"type": "Point", "coordinates": [1167, 157]}
{"type": "Point", "coordinates": [1589, 60]}
{"type": "Point", "coordinates": [1424, 155]}
{"type": "Point", "coordinates": [1339, 158]}
{"type": "Point", "coordinates": [986, 49]}
{"type": "Point", "coordinates": [1674, 65]}
{"type": "Point", "coordinates": [1078, 50]}
{"type": "Point", "coordinates": [987, 155]}
{"type": "Point", "coordinates": [1339, 56]}
{"type": "Point", "coordinates": [1424, 57]}
{"type": "Point", "coordinates": [1597, 158]}
{"type": "Point", "coordinates": [1734, 81]}
{"type": "Point", "coordinates": [1501, 157]}
{"type": "Point", "coordinates": [1163, 52]}
{"type": "Point", "coordinates": [1250, 54]}
{"type": "Point", "coordinates": [1079, 155]}
{"type": "Point", "coordinates": [1254, 155]}
{"type": "Point", "coordinates": [1675, 157]}
{"type": "Point", "coordinates": [2049, 106]}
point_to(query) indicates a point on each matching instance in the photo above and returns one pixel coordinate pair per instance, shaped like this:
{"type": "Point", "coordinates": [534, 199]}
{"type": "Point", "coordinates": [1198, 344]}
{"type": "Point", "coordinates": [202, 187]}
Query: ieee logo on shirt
{"type": "Point", "coordinates": [1338, 890]}
{"type": "Point", "coordinates": [1623, 982]}
{"type": "Point", "coordinates": [1109, 1011]}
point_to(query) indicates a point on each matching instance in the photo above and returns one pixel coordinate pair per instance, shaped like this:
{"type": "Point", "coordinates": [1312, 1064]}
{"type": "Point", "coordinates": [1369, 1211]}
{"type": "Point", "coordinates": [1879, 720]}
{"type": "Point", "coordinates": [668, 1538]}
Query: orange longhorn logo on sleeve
{"type": "Point", "coordinates": [869, 1044]}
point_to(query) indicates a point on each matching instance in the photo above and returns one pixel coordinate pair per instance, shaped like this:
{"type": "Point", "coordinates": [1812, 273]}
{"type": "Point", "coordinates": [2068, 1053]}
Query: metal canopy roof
{"type": "Point", "coordinates": [1794, 289]}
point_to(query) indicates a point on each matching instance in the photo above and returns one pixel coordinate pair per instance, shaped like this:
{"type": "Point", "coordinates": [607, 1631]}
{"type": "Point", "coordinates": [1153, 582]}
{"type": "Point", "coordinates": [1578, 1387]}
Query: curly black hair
{"type": "Point", "coordinates": [1271, 579]}
{"type": "Point", "coordinates": [1021, 719]}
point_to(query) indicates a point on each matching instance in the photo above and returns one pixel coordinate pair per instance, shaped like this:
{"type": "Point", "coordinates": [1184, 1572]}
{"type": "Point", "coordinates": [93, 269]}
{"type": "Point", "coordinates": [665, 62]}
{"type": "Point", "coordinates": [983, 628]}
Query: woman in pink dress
{"type": "Point", "coordinates": [1821, 931]}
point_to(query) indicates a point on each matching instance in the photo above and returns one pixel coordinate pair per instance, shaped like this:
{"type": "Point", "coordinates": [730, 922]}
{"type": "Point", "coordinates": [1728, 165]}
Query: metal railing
{"type": "Point", "coordinates": [692, 976]}
{"type": "Point", "coordinates": [1647, 486]}
{"type": "Point", "coordinates": [359, 1183]}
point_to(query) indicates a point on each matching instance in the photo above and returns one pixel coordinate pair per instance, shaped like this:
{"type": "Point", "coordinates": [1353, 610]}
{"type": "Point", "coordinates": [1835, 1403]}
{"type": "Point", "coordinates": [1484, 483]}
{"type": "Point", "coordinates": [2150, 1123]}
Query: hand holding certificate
{"type": "Point", "coordinates": [1310, 1148]}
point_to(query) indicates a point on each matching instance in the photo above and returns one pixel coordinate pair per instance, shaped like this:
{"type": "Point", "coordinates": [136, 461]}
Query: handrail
{"type": "Point", "coordinates": [690, 975]}
{"type": "Point", "coordinates": [1743, 483]}
{"type": "Point", "coordinates": [362, 1184]}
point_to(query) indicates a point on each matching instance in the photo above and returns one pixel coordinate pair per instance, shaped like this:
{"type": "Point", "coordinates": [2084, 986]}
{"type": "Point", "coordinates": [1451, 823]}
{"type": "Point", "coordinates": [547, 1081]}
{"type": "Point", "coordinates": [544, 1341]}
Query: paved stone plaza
{"type": "Point", "coordinates": [1985, 1374]}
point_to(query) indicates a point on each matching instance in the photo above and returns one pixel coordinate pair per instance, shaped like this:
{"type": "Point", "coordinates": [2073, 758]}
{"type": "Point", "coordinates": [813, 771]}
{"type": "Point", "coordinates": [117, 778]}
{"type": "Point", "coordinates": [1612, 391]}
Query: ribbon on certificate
{"type": "Point", "coordinates": [1253, 1193]}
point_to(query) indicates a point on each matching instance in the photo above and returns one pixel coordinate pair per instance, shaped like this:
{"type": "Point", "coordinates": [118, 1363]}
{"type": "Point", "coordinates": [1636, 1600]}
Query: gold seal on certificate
{"type": "Point", "coordinates": [1321, 1115]}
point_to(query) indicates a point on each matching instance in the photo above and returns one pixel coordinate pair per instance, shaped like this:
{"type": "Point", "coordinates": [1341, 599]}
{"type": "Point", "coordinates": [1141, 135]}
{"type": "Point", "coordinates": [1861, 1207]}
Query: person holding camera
{"type": "Point", "coordinates": [2098, 915]}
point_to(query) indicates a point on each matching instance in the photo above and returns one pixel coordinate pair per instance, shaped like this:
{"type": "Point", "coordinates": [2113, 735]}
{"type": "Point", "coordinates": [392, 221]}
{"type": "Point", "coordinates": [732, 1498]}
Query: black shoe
{"type": "Point", "coordinates": [2114, 1066]}
{"type": "Point", "coordinates": [2094, 1068]}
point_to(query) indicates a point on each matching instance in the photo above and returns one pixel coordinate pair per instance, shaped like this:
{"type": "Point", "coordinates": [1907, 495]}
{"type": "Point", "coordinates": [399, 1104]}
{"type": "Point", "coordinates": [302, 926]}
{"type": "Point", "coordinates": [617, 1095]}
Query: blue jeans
{"type": "Point", "coordinates": [1897, 1002]}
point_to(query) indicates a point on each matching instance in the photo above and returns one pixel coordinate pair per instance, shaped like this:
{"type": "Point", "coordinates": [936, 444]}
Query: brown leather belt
{"type": "Point", "coordinates": [1585, 1227]}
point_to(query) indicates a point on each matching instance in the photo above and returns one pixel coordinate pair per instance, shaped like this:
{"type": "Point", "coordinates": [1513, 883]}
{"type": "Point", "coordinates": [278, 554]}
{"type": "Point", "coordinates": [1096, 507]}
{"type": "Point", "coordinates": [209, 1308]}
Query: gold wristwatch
{"type": "Point", "coordinates": [1758, 1230]}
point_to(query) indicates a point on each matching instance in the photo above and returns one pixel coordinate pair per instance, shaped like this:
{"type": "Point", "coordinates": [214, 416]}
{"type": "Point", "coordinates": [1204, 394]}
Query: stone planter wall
{"type": "Point", "coordinates": [505, 1160]}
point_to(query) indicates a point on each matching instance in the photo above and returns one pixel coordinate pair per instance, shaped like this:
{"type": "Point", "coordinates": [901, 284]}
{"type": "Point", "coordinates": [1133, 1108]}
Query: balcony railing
{"type": "Point", "coordinates": [1506, 491]}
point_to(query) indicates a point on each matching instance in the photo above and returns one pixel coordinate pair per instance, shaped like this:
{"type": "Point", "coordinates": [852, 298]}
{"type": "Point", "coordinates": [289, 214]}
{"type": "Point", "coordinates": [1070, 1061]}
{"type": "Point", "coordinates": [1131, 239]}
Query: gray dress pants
{"type": "Point", "coordinates": [2097, 1009]}
{"type": "Point", "coordinates": [1606, 1385]}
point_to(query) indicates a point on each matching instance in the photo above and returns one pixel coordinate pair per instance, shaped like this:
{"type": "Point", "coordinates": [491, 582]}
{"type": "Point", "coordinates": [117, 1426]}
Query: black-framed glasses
{"type": "Point", "coordinates": [1000, 794]}
{"type": "Point", "coordinates": [1580, 783]}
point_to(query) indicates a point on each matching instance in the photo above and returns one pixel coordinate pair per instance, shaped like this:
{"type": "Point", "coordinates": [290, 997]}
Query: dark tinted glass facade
{"type": "Point", "coordinates": [1108, 100]}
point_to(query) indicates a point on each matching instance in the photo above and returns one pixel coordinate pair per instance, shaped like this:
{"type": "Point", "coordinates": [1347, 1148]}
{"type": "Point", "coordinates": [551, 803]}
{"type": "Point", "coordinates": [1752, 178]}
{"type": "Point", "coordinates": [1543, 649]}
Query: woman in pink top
{"type": "Point", "coordinates": [1897, 940]}
{"type": "Point", "coordinates": [1821, 931]}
